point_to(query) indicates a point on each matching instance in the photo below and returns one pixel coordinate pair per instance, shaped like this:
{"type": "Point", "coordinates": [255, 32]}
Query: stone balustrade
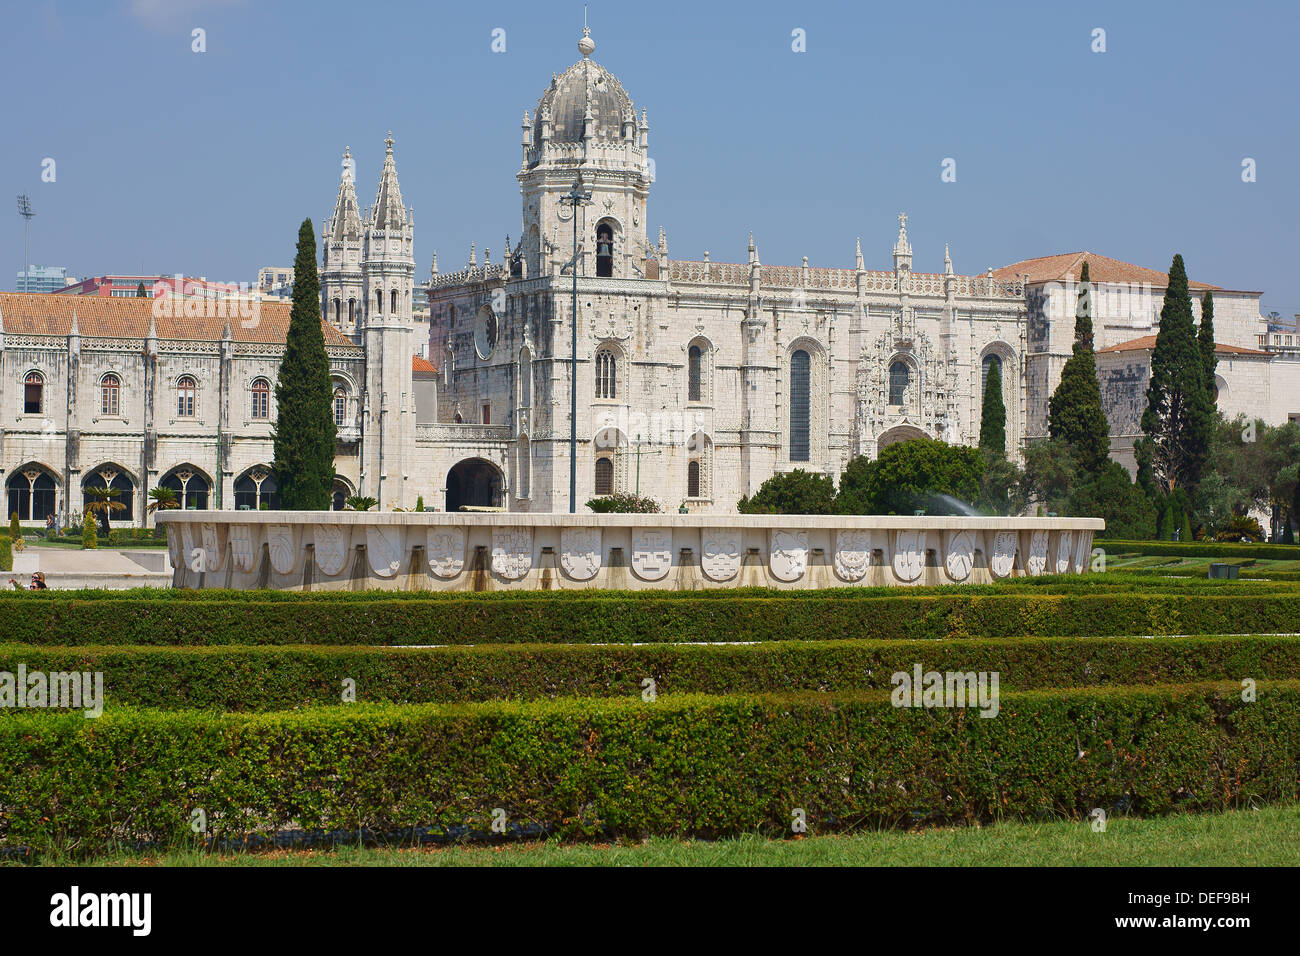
{"type": "Point", "coordinates": [341, 550]}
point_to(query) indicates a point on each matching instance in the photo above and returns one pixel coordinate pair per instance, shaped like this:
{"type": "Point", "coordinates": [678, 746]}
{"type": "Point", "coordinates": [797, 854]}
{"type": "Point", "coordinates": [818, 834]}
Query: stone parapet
{"type": "Point", "coordinates": [425, 551]}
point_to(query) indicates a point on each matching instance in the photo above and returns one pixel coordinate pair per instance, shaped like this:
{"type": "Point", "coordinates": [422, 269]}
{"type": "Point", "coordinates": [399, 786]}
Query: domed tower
{"type": "Point", "coordinates": [341, 287]}
{"type": "Point", "coordinates": [388, 273]}
{"type": "Point", "coordinates": [585, 127]}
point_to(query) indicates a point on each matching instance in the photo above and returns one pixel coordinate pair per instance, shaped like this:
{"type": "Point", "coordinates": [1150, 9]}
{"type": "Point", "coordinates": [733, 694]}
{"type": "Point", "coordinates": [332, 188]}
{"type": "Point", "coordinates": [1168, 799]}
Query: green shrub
{"type": "Point", "coordinates": [620, 618]}
{"type": "Point", "coordinates": [686, 766]}
{"type": "Point", "coordinates": [174, 678]}
{"type": "Point", "coordinates": [89, 535]}
{"type": "Point", "coordinates": [15, 529]}
{"type": "Point", "coordinates": [1203, 549]}
{"type": "Point", "coordinates": [112, 536]}
{"type": "Point", "coordinates": [6, 553]}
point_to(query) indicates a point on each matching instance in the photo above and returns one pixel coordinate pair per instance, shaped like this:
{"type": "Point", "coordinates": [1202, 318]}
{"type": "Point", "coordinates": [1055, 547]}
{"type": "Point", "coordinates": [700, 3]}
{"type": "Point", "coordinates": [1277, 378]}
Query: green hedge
{"type": "Point", "coordinates": [1203, 549]}
{"type": "Point", "coordinates": [281, 678]}
{"type": "Point", "coordinates": [615, 619]}
{"type": "Point", "coordinates": [681, 767]}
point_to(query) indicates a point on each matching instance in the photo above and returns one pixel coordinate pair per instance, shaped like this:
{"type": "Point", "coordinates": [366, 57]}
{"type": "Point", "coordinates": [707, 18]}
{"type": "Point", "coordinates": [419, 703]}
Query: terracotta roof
{"type": "Point", "coordinates": [421, 364]}
{"type": "Point", "coordinates": [1148, 342]}
{"type": "Point", "coordinates": [1100, 269]}
{"type": "Point", "coordinates": [128, 318]}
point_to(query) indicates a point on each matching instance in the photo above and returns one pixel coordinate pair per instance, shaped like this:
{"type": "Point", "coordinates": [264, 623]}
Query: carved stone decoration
{"type": "Point", "coordinates": [720, 553]}
{"type": "Point", "coordinates": [284, 550]}
{"type": "Point", "coordinates": [960, 556]}
{"type": "Point", "coordinates": [211, 546]}
{"type": "Point", "coordinates": [446, 550]}
{"type": "Point", "coordinates": [1037, 560]}
{"type": "Point", "coordinates": [187, 547]}
{"type": "Point", "coordinates": [580, 552]}
{"type": "Point", "coordinates": [384, 549]}
{"type": "Point", "coordinates": [852, 554]}
{"type": "Point", "coordinates": [1063, 542]}
{"type": "Point", "coordinates": [174, 544]}
{"type": "Point", "coordinates": [789, 554]}
{"type": "Point", "coordinates": [332, 542]}
{"type": "Point", "coordinates": [1082, 551]}
{"type": "Point", "coordinates": [512, 552]}
{"type": "Point", "coordinates": [909, 554]}
{"type": "Point", "coordinates": [241, 546]}
{"type": "Point", "coordinates": [1005, 546]}
{"type": "Point", "coordinates": [652, 553]}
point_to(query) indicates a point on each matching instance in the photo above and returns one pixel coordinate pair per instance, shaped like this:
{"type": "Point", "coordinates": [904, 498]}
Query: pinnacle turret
{"type": "Point", "coordinates": [388, 211]}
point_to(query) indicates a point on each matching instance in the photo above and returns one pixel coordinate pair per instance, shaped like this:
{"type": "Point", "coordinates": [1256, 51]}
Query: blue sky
{"type": "Point", "coordinates": [204, 163]}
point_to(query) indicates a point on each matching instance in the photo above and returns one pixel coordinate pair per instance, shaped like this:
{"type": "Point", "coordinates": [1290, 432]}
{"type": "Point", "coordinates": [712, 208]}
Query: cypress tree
{"type": "Point", "coordinates": [1074, 411]}
{"type": "Point", "coordinates": [1179, 415]}
{"type": "Point", "coordinates": [1205, 339]}
{"type": "Point", "coordinates": [140, 292]}
{"type": "Point", "coordinates": [993, 414]}
{"type": "Point", "coordinates": [304, 425]}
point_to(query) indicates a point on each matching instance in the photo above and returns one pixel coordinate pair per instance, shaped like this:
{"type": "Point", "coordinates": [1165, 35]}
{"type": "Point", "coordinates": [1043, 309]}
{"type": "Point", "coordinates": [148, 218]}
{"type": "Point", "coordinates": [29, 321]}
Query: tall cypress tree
{"type": "Point", "coordinates": [993, 414]}
{"type": "Point", "coordinates": [1075, 414]}
{"type": "Point", "coordinates": [304, 425]}
{"type": "Point", "coordinates": [1205, 339]}
{"type": "Point", "coordinates": [1179, 414]}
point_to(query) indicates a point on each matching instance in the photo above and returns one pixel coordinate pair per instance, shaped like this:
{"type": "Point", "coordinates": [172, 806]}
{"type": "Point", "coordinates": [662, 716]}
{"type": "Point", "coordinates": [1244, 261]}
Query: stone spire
{"type": "Point", "coordinates": [902, 248]}
{"type": "Point", "coordinates": [346, 221]}
{"type": "Point", "coordinates": [433, 270]}
{"type": "Point", "coordinates": [473, 260]}
{"type": "Point", "coordinates": [857, 259]}
{"type": "Point", "coordinates": [388, 211]}
{"type": "Point", "coordinates": [947, 261]}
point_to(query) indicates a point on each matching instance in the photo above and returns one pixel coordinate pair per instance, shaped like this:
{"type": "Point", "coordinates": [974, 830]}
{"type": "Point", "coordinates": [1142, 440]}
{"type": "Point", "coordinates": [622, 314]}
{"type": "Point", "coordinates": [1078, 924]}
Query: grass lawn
{"type": "Point", "coordinates": [1265, 837]}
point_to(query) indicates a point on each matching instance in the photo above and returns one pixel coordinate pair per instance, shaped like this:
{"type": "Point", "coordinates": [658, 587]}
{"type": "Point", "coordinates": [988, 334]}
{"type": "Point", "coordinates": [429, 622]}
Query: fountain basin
{"type": "Point", "coordinates": [435, 551]}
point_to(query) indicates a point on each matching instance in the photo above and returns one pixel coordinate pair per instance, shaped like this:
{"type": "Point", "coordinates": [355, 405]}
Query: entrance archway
{"type": "Point", "coordinates": [476, 483]}
{"type": "Point", "coordinates": [898, 433]}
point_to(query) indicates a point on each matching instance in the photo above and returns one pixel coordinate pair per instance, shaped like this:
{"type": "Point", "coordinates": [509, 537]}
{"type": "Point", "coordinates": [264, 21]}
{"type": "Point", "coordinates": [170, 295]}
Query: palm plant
{"type": "Point", "coordinates": [162, 498]}
{"type": "Point", "coordinates": [360, 503]}
{"type": "Point", "coordinates": [103, 503]}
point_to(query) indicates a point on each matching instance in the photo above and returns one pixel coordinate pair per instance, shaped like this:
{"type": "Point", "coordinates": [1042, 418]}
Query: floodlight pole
{"type": "Point", "coordinates": [25, 210]}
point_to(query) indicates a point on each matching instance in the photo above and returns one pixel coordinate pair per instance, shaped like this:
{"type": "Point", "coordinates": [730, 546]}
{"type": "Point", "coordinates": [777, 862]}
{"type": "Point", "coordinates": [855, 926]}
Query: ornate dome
{"type": "Point", "coordinates": [585, 84]}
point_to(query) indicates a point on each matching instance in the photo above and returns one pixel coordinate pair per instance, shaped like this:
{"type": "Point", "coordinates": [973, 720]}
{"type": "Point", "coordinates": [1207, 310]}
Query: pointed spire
{"type": "Point", "coordinates": [75, 330]}
{"type": "Point", "coordinates": [433, 270]}
{"type": "Point", "coordinates": [663, 243]}
{"type": "Point", "coordinates": [947, 261]}
{"type": "Point", "coordinates": [857, 259]}
{"type": "Point", "coordinates": [751, 246]}
{"type": "Point", "coordinates": [388, 211]}
{"type": "Point", "coordinates": [902, 248]}
{"type": "Point", "coordinates": [346, 221]}
{"type": "Point", "coordinates": [153, 325]}
{"type": "Point", "coordinates": [473, 261]}
{"type": "Point", "coordinates": [226, 334]}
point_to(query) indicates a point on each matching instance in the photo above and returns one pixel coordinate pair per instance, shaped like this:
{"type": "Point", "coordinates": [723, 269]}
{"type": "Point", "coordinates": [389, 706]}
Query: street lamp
{"type": "Point", "coordinates": [25, 210]}
{"type": "Point", "coordinates": [575, 197]}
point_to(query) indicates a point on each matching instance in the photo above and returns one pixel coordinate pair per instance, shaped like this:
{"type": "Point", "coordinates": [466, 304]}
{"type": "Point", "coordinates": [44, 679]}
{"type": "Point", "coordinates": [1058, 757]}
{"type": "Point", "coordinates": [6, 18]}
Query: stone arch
{"type": "Point", "coordinates": [816, 411]}
{"type": "Point", "coordinates": [699, 466]}
{"type": "Point", "coordinates": [609, 372]}
{"type": "Point", "coordinates": [256, 490]}
{"type": "Point", "coordinates": [1005, 354]}
{"type": "Point", "coordinates": [340, 492]}
{"type": "Point", "coordinates": [525, 377]}
{"type": "Point", "coordinates": [191, 485]}
{"type": "Point", "coordinates": [608, 236]}
{"type": "Point", "coordinates": [905, 369]}
{"type": "Point", "coordinates": [1221, 390]}
{"type": "Point", "coordinates": [699, 368]}
{"type": "Point", "coordinates": [112, 475]}
{"type": "Point", "coordinates": [610, 443]}
{"type": "Point", "coordinates": [475, 483]}
{"type": "Point", "coordinates": [32, 491]}
{"type": "Point", "coordinates": [892, 436]}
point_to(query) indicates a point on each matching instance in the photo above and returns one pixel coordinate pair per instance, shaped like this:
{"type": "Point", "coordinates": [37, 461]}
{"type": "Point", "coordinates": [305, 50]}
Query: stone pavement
{"type": "Point", "coordinates": [70, 568]}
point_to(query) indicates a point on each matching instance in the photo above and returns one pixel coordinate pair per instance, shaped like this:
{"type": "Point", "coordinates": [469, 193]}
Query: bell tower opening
{"type": "Point", "coordinates": [604, 251]}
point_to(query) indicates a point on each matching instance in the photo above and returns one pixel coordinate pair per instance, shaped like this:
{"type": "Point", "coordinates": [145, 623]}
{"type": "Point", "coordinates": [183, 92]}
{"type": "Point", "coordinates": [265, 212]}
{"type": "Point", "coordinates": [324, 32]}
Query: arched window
{"type": "Point", "coordinates": [392, 301]}
{"type": "Point", "coordinates": [604, 250]}
{"type": "Point", "coordinates": [185, 392]}
{"type": "Point", "coordinates": [379, 301]}
{"type": "Point", "coordinates": [800, 405]}
{"type": "Point", "coordinates": [339, 495]}
{"type": "Point", "coordinates": [606, 374]}
{"type": "Point", "coordinates": [110, 394]}
{"type": "Point", "coordinates": [693, 378]}
{"type": "Point", "coordinates": [525, 468]}
{"type": "Point", "coordinates": [340, 407]}
{"type": "Point", "coordinates": [989, 362]}
{"type": "Point", "coordinates": [191, 488]}
{"type": "Point", "coordinates": [261, 392]}
{"type": "Point", "coordinates": [604, 476]}
{"type": "Point", "coordinates": [899, 374]}
{"type": "Point", "coordinates": [256, 490]}
{"type": "Point", "coordinates": [33, 393]}
{"type": "Point", "coordinates": [32, 494]}
{"type": "Point", "coordinates": [352, 311]}
{"type": "Point", "coordinates": [693, 478]}
{"type": "Point", "coordinates": [338, 308]}
{"type": "Point", "coordinates": [525, 379]}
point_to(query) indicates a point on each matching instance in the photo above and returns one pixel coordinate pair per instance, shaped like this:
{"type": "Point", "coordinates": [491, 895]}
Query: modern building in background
{"type": "Point", "coordinates": [173, 286]}
{"type": "Point", "coordinates": [43, 279]}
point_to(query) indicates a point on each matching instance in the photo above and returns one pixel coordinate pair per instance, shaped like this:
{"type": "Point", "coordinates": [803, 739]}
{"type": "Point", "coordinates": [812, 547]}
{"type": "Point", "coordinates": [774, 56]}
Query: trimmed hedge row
{"type": "Point", "coordinates": [623, 619]}
{"type": "Point", "coordinates": [282, 678]}
{"type": "Point", "coordinates": [689, 766]}
{"type": "Point", "coordinates": [1201, 549]}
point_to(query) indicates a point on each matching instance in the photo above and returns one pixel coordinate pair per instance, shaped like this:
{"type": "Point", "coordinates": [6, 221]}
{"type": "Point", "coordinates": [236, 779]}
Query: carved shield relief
{"type": "Point", "coordinates": [789, 554]}
{"type": "Point", "coordinates": [852, 554]}
{"type": "Point", "coordinates": [1005, 546]}
{"type": "Point", "coordinates": [446, 550]}
{"type": "Point", "coordinates": [212, 539]}
{"type": "Point", "coordinates": [384, 549]}
{"type": "Point", "coordinates": [1064, 540]}
{"type": "Point", "coordinates": [512, 552]}
{"type": "Point", "coordinates": [960, 557]}
{"type": "Point", "coordinates": [909, 554]}
{"type": "Point", "coordinates": [282, 539]}
{"type": "Point", "coordinates": [580, 552]}
{"type": "Point", "coordinates": [241, 546]}
{"type": "Point", "coordinates": [720, 559]}
{"type": "Point", "coordinates": [1037, 561]}
{"type": "Point", "coordinates": [652, 553]}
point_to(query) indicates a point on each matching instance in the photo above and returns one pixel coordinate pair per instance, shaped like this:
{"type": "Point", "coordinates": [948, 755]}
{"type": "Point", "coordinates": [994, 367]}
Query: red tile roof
{"type": "Point", "coordinates": [421, 364]}
{"type": "Point", "coordinates": [1100, 269]}
{"type": "Point", "coordinates": [34, 313]}
{"type": "Point", "coordinates": [1148, 342]}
